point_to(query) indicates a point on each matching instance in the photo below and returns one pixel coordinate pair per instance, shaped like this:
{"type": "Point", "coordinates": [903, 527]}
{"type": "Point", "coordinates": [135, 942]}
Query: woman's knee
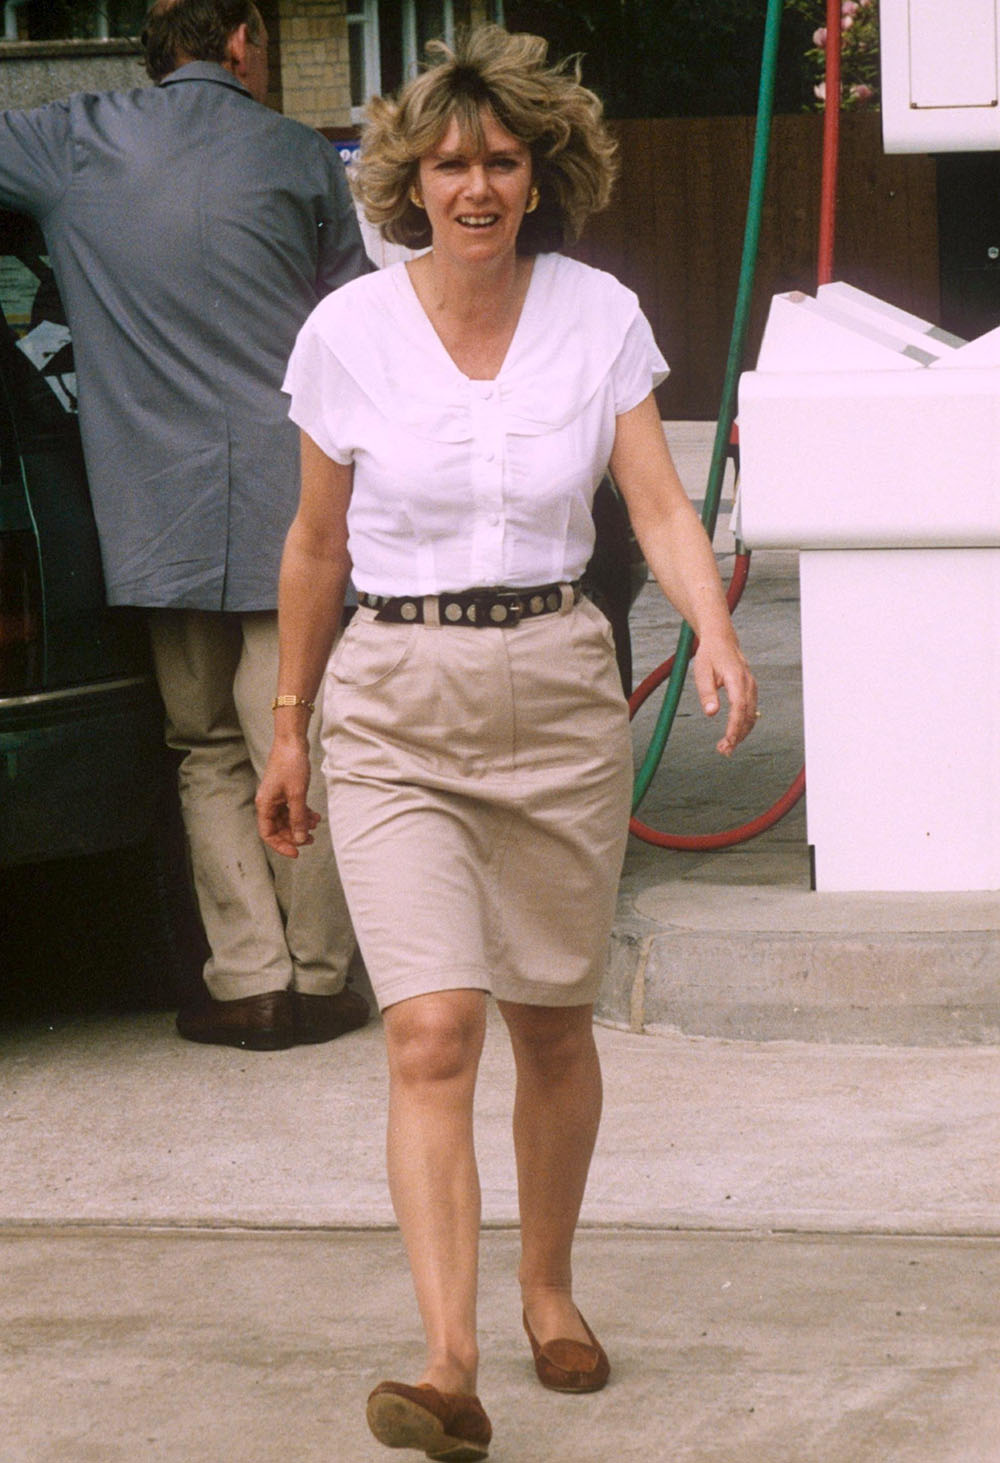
{"type": "Point", "coordinates": [551, 1036]}
{"type": "Point", "coordinates": [437, 1037]}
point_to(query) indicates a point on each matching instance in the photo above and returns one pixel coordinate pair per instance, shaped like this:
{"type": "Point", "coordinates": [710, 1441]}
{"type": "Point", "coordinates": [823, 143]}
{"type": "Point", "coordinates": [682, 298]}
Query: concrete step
{"type": "Point", "coordinates": [774, 963]}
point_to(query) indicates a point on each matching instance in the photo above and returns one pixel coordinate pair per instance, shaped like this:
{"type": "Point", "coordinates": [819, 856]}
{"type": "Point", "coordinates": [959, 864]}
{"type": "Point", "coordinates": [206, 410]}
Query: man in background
{"type": "Point", "coordinates": [191, 231]}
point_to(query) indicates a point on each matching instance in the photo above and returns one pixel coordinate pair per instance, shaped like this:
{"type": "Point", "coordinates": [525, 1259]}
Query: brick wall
{"type": "Point", "coordinates": [315, 70]}
{"type": "Point", "coordinates": [310, 37]}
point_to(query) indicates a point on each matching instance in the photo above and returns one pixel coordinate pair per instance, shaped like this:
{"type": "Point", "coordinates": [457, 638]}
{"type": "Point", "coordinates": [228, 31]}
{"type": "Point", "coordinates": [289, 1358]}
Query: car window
{"type": "Point", "coordinates": [35, 341]}
{"type": "Point", "coordinates": [55, 627]}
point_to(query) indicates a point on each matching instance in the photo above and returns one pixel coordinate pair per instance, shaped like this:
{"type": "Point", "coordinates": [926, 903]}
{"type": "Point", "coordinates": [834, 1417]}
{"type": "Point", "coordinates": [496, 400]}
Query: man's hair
{"type": "Point", "coordinates": [546, 107]}
{"type": "Point", "coordinates": [178, 31]}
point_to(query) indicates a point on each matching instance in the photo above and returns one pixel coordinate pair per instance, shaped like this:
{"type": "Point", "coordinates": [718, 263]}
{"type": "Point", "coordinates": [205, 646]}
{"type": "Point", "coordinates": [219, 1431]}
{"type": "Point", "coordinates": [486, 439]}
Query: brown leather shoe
{"type": "Point", "coordinates": [321, 1018]}
{"type": "Point", "coordinates": [570, 1366]}
{"type": "Point", "coordinates": [256, 1023]}
{"type": "Point", "coordinates": [446, 1425]}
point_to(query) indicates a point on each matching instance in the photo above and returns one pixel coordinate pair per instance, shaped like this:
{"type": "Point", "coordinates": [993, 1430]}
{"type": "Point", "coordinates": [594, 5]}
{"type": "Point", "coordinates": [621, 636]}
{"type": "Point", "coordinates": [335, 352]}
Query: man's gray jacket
{"type": "Point", "coordinates": [191, 231]}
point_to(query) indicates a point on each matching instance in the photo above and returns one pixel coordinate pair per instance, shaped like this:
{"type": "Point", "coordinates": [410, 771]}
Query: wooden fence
{"type": "Point", "coordinates": [674, 233]}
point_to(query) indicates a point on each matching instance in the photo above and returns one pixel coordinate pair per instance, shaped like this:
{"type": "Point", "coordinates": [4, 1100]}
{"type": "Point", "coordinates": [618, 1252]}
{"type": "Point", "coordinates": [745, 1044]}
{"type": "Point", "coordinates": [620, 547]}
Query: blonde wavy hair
{"type": "Point", "coordinates": [545, 107]}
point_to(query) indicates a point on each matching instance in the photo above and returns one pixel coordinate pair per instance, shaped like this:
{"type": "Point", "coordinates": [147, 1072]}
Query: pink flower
{"type": "Point", "coordinates": [849, 7]}
{"type": "Point", "coordinates": [846, 22]}
{"type": "Point", "coordinates": [862, 92]}
{"type": "Point", "coordinates": [819, 36]}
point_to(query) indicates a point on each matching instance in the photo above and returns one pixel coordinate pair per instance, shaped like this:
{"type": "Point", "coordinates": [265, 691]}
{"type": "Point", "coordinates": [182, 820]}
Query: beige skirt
{"type": "Point", "coordinates": [479, 783]}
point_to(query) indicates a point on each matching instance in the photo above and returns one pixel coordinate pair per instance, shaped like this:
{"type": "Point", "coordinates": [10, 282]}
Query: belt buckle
{"type": "Point", "coordinates": [486, 604]}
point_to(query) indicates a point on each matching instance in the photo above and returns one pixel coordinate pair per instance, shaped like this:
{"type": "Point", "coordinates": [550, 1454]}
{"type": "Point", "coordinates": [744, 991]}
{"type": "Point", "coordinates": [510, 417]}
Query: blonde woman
{"type": "Point", "coordinates": [457, 413]}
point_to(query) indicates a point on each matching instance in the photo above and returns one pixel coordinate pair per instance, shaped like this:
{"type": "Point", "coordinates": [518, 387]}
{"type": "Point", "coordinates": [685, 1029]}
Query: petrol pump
{"type": "Point", "coordinates": [870, 442]}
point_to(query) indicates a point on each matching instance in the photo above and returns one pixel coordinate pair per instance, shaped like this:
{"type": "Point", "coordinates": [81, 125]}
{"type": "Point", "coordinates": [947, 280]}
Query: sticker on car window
{"type": "Point", "coordinates": [42, 346]}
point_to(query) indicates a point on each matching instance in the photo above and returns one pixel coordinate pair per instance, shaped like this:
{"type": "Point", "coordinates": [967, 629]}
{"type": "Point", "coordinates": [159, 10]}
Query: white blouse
{"type": "Point", "coordinates": [460, 483]}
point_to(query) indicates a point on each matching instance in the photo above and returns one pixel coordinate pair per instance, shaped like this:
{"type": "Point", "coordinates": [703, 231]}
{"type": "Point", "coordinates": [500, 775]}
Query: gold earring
{"type": "Point", "coordinates": [415, 197]}
{"type": "Point", "coordinates": [532, 203]}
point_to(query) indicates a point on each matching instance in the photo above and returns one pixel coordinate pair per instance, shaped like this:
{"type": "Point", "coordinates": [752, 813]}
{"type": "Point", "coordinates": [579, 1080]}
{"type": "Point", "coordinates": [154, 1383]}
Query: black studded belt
{"type": "Point", "coordinates": [486, 609]}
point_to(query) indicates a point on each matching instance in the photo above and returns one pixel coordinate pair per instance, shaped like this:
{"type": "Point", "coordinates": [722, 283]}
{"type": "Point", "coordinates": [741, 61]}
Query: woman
{"type": "Point", "coordinates": [457, 412]}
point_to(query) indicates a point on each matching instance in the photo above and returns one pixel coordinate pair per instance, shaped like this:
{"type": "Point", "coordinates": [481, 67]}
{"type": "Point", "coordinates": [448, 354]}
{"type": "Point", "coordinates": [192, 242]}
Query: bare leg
{"type": "Point", "coordinates": [557, 1111]}
{"type": "Point", "coordinates": [434, 1044]}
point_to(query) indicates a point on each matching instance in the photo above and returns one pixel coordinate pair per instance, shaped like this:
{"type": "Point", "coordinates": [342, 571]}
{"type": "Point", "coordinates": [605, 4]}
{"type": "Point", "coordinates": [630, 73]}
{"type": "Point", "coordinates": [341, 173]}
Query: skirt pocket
{"type": "Point", "coordinates": [368, 654]}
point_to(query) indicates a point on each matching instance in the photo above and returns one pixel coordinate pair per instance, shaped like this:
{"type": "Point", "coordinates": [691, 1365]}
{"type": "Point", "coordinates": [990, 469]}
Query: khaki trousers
{"type": "Point", "coordinates": [272, 923]}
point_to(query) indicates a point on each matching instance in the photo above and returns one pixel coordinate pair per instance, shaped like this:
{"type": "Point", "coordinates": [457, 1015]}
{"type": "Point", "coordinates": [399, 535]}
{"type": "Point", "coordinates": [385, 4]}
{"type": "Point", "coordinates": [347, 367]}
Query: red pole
{"type": "Point", "coordinates": [831, 145]}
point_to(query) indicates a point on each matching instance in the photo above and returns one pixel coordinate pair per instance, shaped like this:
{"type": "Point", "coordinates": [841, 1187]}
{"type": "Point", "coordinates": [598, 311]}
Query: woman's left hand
{"type": "Point", "coordinates": [721, 665]}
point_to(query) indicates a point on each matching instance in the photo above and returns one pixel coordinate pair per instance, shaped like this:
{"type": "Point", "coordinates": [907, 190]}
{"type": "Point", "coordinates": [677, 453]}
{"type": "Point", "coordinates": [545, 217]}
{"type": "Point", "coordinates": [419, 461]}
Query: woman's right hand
{"type": "Point", "coordinates": [284, 819]}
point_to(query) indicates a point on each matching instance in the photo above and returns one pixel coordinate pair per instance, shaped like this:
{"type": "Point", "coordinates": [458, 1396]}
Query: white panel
{"type": "Point", "coordinates": [940, 75]}
{"type": "Point", "coordinates": [982, 352]}
{"type": "Point", "coordinates": [876, 459]}
{"type": "Point", "coordinates": [953, 54]}
{"type": "Point", "coordinates": [901, 683]}
{"type": "Point", "coordinates": [849, 299]}
{"type": "Point", "coordinates": [803, 335]}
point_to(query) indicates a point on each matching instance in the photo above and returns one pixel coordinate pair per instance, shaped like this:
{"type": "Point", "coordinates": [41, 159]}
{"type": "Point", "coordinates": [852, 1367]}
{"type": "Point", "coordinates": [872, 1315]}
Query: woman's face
{"type": "Point", "coordinates": [475, 200]}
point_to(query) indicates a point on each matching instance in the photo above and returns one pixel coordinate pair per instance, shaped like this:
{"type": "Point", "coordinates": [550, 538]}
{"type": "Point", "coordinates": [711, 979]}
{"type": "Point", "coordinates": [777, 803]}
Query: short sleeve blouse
{"type": "Point", "coordinates": [461, 483]}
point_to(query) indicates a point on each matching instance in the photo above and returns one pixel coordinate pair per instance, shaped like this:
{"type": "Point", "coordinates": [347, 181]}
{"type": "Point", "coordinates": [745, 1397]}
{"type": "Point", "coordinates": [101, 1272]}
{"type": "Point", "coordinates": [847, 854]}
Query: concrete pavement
{"type": "Point", "coordinates": [727, 1350]}
{"type": "Point", "coordinates": [791, 1239]}
{"type": "Point", "coordinates": [789, 1248]}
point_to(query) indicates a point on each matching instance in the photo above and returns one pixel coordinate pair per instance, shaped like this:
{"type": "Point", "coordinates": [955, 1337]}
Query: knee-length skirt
{"type": "Point", "coordinates": [479, 784]}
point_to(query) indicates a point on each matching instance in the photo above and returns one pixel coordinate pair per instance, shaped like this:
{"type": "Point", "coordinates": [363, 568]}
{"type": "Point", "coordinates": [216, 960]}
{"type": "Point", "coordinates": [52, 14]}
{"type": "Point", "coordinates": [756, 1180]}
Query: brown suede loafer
{"type": "Point", "coordinates": [321, 1018]}
{"type": "Point", "coordinates": [570, 1366]}
{"type": "Point", "coordinates": [446, 1425]}
{"type": "Point", "coordinates": [256, 1023]}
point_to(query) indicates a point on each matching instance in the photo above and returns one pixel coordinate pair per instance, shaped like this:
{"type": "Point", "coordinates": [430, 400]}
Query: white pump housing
{"type": "Point", "coordinates": [870, 442]}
